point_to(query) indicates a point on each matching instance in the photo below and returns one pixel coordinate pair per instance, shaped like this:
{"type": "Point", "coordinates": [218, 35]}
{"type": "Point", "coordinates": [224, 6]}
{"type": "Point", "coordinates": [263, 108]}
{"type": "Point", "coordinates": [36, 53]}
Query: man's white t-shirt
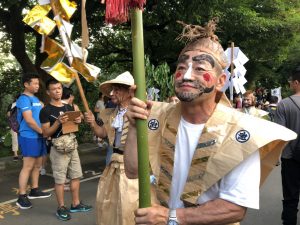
{"type": "Point", "coordinates": [240, 186]}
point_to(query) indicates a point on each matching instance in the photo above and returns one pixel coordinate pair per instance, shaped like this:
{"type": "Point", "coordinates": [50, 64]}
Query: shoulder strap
{"type": "Point", "coordinates": [294, 102]}
{"type": "Point", "coordinates": [28, 98]}
{"type": "Point", "coordinates": [298, 138]}
{"type": "Point", "coordinates": [30, 103]}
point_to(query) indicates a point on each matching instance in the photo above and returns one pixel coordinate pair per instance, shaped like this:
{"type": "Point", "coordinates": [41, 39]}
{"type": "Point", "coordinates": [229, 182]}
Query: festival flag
{"type": "Point", "coordinates": [88, 71]}
{"type": "Point", "coordinates": [63, 11]}
{"type": "Point", "coordinates": [65, 8]}
{"type": "Point", "coordinates": [37, 19]}
{"type": "Point", "coordinates": [62, 73]}
{"type": "Point", "coordinates": [237, 78]}
{"type": "Point", "coordinates": [51, 47]}
{"type": "Point", "coordinates": [78, 52]}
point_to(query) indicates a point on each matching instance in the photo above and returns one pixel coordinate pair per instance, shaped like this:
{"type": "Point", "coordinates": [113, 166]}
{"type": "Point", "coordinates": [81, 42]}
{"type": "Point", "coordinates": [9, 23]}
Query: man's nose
{"type": "Point", "coordinates": [188, 73]}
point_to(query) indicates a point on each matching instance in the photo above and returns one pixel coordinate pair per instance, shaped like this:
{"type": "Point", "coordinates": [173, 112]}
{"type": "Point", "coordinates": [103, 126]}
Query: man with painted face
{"type": "Point", "coordinates": [206, 157]}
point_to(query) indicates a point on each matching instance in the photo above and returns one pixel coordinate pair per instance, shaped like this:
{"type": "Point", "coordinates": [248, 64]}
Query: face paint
{"type": "Point", "coordinates": [207, 77]}
{"type": "Point", "coordinates": [208, 90]}
{"type": "Point", "coordinates": [177, 75]}
{"type": "Point", "coordinates": [182, 59]}
{"type": "Point", "coordinates": [188, 73]}
{"type": "Point", "coordinates": [187, 96]}
{"type": "Point", "coordinates": [205, 57]}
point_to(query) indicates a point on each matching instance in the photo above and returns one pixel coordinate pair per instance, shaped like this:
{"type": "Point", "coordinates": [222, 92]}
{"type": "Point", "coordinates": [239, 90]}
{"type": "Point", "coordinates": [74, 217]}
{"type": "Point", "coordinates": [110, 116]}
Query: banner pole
{"type": "Point", "coordinates": [141, 125]}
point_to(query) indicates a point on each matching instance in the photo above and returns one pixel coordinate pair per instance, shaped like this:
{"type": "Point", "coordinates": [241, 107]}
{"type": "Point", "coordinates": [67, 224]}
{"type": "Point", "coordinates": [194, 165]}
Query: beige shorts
{"type": "Point", "coordinates": [65, 164]}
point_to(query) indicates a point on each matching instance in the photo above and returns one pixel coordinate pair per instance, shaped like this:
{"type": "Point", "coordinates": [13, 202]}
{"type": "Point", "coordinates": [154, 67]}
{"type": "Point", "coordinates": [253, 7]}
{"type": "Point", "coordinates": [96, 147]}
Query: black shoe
{"type": "Point", "coordinates": [62, 213]}
{"type": "Point", "coordinates": [80, 208]}
{"type": "Point", "coordinates": [23, 202]}
{"type": "Point", "coordinates": [37, 193]}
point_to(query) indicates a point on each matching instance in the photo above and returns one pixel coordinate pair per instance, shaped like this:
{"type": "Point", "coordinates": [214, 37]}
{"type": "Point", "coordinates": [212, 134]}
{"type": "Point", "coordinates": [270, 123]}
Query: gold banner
{"type": "Point", "coordinates": [66, 9]}
{"type": "Point", "coordinates": [55, 53]}
{"type": "Point", "coordinates": [88, 71]}
{"type": "Point", "coordinates": [36, 13]}
{"type": "Point", "coordinates": [50, 46]}
{"type": "Point", "coordinates": [36, 18]}
{"type": "Point", "coordinates": [63, 73]}
{"type": "Point", "coordinates": [45, 26]}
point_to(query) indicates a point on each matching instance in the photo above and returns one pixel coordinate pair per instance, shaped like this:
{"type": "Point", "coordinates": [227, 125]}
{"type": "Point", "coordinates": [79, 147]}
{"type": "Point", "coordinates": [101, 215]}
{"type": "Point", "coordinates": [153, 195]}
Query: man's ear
{"type": "Point", "coordinates": [48, 93]}
{"type": "Point", "coordinates": [26, 84]}
{"type": "Point", "coordinates": [221, 80]}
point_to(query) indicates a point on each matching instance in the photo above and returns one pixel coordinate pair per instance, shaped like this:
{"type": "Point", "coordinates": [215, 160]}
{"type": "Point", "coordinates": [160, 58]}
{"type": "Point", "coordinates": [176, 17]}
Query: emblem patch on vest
{"type": "Point", "coordinates": [153, 124]}
{"type": "Point", "coordinates": [242, 136]}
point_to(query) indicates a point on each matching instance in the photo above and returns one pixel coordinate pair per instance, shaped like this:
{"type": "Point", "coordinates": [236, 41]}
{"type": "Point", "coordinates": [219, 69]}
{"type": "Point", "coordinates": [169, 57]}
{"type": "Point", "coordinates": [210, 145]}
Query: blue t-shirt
{"type": "Point", "coordinates": [25, 103]}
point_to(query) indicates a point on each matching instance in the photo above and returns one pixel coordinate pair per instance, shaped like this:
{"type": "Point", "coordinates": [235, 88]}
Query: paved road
{"type": "Point", "coordinates": [43, 211]}
{"type": "Point", "coordinates": [93, 162]}
{"type": "Point", "coordinates": [270, 203]}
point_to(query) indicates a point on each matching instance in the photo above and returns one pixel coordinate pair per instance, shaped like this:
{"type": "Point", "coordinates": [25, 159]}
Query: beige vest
{"type": "Point", "coordinates": [108, 115]}
{"type": "Point", "coordinates": [229, 137]}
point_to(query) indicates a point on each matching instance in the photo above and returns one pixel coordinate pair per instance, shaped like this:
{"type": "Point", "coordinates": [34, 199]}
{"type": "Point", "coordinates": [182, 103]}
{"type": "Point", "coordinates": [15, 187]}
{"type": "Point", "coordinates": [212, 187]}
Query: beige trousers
{"type": "Point", "coordinates": [14, 140]}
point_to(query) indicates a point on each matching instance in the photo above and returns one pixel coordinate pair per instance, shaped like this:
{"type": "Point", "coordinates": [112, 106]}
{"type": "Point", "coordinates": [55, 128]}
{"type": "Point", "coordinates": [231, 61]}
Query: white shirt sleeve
{"type": "Point", "coordinates": [240, 186]}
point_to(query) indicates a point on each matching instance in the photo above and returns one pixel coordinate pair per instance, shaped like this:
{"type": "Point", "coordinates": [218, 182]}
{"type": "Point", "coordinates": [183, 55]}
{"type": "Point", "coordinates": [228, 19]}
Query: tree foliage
{"type": "Point", "coordinates": [159, 77]}
{"type": "Point", "coordinates": [266, 31]}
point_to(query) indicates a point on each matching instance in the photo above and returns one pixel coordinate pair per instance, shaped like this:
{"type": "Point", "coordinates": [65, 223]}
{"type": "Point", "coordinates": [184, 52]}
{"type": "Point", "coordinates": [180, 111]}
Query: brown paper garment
{"type": "Point", "coordinates": [117, 196]}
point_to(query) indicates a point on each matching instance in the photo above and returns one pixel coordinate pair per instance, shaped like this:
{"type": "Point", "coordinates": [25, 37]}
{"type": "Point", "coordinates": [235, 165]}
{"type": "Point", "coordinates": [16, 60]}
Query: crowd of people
{"type": "Point", "coordinates": [207, 155]}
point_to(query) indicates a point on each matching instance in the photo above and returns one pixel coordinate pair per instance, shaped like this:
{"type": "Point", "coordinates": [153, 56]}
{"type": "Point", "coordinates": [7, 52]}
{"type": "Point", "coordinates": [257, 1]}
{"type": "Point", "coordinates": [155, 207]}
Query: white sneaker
{"type": "Point", "coordinates": [43, 171]}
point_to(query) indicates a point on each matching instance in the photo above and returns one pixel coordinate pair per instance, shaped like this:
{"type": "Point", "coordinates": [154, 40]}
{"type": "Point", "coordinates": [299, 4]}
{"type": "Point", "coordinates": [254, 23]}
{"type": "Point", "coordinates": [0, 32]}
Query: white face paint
{"type": "Point", "coordinates": [188, 73]}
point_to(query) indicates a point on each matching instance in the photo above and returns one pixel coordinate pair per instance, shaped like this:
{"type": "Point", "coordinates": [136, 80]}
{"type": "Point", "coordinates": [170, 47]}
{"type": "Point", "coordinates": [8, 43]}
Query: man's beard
{"type": "Point", "coordinates": [188, 96]}
{"type": "Point", "coordinates": [247, 105]}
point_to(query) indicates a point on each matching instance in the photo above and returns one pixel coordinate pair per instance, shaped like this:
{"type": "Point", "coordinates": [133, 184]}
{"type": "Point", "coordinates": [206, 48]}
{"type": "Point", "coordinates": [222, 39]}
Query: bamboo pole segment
{"type": "Point", "coordinates": [232, 72]}
{"type": "Point", "coordinates": [68, 52]}
{"type": "Point", "coordinates": [141, 125]}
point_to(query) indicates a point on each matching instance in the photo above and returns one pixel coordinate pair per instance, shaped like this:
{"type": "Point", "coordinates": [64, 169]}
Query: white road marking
{"type": "Point", "coordinates": [51, 189]}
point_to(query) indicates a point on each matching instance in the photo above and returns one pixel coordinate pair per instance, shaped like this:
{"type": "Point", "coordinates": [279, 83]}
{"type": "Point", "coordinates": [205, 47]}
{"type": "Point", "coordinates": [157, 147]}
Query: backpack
{"type": "Point", "coordinates": [12, 119]}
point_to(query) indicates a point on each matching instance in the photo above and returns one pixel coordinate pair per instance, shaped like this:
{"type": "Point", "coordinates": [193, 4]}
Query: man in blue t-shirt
{"type": "Point", "coordinates": [31, 141]}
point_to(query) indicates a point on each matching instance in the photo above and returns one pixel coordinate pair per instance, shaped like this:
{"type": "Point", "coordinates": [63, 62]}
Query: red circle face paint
{"type": "Point", "coordinates": [177, 75]}
{"type": "Point", "coordinates": [207, 77]}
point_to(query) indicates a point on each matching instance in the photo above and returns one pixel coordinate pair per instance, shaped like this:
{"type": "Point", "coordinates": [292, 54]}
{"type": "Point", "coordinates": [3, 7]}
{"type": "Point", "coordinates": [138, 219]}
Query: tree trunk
{"type": "Point", "coordinates": [15, 27]}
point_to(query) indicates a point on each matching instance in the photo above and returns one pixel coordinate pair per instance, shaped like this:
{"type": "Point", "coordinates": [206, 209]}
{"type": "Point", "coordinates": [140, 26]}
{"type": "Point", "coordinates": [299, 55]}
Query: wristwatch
{"type": "Point", "coordinates": [172, 217]}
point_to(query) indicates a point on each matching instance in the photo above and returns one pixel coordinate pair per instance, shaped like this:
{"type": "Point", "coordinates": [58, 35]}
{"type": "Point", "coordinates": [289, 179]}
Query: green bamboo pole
{"type": "Point", "coordinates": [141, 125]}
